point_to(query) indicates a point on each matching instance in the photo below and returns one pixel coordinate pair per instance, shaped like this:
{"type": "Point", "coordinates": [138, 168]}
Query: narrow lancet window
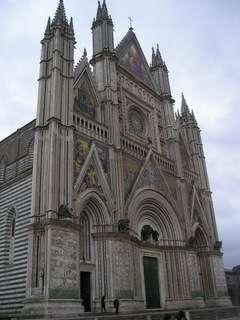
{"type": "Point", "coordinates": [12, 234]}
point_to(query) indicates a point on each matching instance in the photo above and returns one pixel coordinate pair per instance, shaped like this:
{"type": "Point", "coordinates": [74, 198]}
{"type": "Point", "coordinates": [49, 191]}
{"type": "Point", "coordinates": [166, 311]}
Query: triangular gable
{"type": "Point", "coordinates": [92, 176]}
{"type": "Point", "coordinates": [151, 176]}
{"type": "Point", "coordinates": [132, 58]}
{"type": "Point", "coordinates": [196, 205]}
{"type": "Point", "coordinates": [86, 97]}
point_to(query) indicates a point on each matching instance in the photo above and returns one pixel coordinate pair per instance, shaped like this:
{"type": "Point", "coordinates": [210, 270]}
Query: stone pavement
{"type": "Point", "coordinates": [230, 313]}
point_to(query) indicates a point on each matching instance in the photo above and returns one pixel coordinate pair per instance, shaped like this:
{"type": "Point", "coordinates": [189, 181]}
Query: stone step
{"type": "Point", "coordinates": [228, 313]}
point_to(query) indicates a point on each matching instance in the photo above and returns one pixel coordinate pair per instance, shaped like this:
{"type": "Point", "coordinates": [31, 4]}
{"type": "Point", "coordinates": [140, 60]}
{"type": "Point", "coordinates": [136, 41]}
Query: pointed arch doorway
{"type": "Point", "coordinates": [94, 266]}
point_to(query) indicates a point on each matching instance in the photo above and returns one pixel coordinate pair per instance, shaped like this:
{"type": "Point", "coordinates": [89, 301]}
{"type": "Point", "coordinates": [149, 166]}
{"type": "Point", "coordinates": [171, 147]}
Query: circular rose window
{"type": "Point", "coordinates": [136, 123]}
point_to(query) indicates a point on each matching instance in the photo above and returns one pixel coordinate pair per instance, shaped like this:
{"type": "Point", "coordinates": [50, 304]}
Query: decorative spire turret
{"type": "Point", "coordinates": [105, 14]}
{"type": "Point", "coordinates": [184, 106]}
{"type": "Point", "coordinates": [159, 60]}
{"type": "Point", "coordinates": [102, 29]}
{"type": "Point", "coordinates": [186, 115]}
{"type": "Point", "coordinates": [102, 15]}
{"type": "Point", "coordinates": [60, 15]}
{"type": "Point", "coordinates": [160, 73]}
{"type": "Point", "coordinates": [48, 27]}
{"type": "Point", "coordinates": [71, 26]}
{"type": "Point", "coordinates": [153, 57]}
{"type": "Point", "coordinates": [99, 12]}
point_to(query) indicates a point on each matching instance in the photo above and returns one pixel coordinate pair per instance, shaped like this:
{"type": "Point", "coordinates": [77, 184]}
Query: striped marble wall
{"type": "Point", "coordinates": [16, 198]}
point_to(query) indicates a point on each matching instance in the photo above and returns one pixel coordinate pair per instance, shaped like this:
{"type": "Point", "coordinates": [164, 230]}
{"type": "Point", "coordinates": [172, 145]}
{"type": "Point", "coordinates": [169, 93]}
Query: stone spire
{"type": "Point", "coordinates": [159, 60]}
{"type": "Point", "coordinates": [102, 29]}
{"type": "Point", "coordinates": [153, 57]}
{"type": "Point", "coordinates": [184, 106]}
{"type": "Point", "coordinates": [71, 26]}
{"type": "Point", "coordinates": [60, 15]}
{"type": "Point", "coordinates": [102, 15]}
{"type": "Point", "coordinates": [99, 12]}
{"type": "Point", "coordinates": [48, 27]}
{"type": "Point", "coordinates": [105, 14]}
{"type": "Point", "coordinates": [186, 114]}
{"type": "Point", "coordinates": [159, 72]}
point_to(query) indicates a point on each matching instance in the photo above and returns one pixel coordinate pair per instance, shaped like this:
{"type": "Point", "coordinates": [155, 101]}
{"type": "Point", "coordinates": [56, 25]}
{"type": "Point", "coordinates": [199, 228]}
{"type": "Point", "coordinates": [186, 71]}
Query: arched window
{"type": "Point", "coordinates": [11, 227]}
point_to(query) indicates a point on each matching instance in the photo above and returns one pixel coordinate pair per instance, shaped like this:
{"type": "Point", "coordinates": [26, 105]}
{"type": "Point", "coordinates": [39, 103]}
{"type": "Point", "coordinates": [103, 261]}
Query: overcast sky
{"type": "Point", "coordinates": [200, 43]}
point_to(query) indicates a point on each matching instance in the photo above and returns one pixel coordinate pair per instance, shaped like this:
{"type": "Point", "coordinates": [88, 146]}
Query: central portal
{"type": "Point", "coordinates": [151, 279]}
{"type": "Point", "coordinates": [85, 278]}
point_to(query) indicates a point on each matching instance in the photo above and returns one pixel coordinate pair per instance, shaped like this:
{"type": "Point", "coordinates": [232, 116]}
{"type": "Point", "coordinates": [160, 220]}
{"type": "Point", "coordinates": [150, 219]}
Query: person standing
{"type": "Point", "coordinates": [103, 304]}
{"type": "Point", "coordinates": [116, 305]}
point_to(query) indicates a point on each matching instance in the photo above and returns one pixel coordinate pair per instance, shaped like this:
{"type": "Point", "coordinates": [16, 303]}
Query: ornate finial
{"type": "Point", "coordinates": [85, 53]}
{"type": "Point", "coordinates": [60, 15]}
{"type": "Point", "coordinates": [130, 23]}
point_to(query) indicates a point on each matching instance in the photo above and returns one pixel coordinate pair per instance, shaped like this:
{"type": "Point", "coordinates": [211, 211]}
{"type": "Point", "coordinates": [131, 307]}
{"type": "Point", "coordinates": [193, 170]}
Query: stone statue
{"type": "Point", "coordinates": [123, 225]}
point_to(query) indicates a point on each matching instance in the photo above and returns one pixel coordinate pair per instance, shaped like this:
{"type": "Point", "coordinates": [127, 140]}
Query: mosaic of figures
{"type": "Point", "coordinates": [81, 151]}
{"type": "Point", "coordinates": [131, 171]}
{"type": "Point", "coordinates": [91, 179]}
{"type": "Point", "coordinates": [134, 62]}
{"type": "Point", "coordinates": [84, 100]}
{"type": "Point", "coordinates": [150, 177]}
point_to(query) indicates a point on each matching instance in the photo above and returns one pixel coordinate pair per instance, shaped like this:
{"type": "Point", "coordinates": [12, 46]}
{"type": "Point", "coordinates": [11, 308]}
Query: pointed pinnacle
{"type": "Point", "coordinates": [60, 15]}
{"type": "Point", "coordinates": [184, 106]}
{"type": "Point", "coordinates": [48, 27]}
{"type": "Point", "coordinates": [159, 59]}
{"type": "Point", "coordinates": [71, 25]}
{"type": "Point", "coordinates": [85, 53]}
{"type": "Point", "coordinates": [193, 117]}
{"type": "Point", "coordinates": [99, 12]}
{"type": "Point", "coordinates": [153, 57]}
{"type": "Point", "coordinates": [104, 10]}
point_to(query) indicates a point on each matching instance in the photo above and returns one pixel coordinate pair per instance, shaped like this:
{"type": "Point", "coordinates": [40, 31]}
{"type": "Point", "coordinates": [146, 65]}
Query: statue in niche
{"type": "Point", "coordinates": [146, 233]}
{"type": "Point", "coordinates": [149, 234]}
{"type": "Point", "coordinates": [123, 225]}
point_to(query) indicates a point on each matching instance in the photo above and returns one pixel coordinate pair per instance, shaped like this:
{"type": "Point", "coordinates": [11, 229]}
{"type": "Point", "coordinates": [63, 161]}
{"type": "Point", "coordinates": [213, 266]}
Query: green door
{"type": "Point", "coordinates": [151, 279]}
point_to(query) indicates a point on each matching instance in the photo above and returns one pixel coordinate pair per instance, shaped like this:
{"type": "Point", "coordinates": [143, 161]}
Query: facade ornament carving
{"type": "Point", "coordinates": [123, 225]}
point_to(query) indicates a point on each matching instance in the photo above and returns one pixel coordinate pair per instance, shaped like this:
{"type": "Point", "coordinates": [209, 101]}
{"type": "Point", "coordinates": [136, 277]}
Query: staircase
{"type": "Point", "coordinates": [230, 313]}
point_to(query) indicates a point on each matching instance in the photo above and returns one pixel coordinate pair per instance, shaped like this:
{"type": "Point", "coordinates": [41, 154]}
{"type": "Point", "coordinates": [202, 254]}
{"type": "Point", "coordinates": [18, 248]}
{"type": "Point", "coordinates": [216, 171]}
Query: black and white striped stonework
{"type": "Point", "coordinates": [15, 200]}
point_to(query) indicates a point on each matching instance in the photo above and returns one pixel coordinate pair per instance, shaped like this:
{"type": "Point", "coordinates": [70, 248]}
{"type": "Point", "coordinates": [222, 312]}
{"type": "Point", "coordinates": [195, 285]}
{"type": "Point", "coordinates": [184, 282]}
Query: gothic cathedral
{"type": "Point", "coordinates": [106, 193]}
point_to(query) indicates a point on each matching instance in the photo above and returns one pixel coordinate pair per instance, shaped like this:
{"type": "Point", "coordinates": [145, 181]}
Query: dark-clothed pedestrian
{"type": "Point", "coordinates": [103, 304]}
{"type": "Point", "coordinates": [181, 315]}
{"type": "Point", "coordinates": [116, 305]}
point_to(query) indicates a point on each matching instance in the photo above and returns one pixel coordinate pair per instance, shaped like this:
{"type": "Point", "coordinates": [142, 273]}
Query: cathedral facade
{"type": "Point", "coordinates": [106, 193]}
